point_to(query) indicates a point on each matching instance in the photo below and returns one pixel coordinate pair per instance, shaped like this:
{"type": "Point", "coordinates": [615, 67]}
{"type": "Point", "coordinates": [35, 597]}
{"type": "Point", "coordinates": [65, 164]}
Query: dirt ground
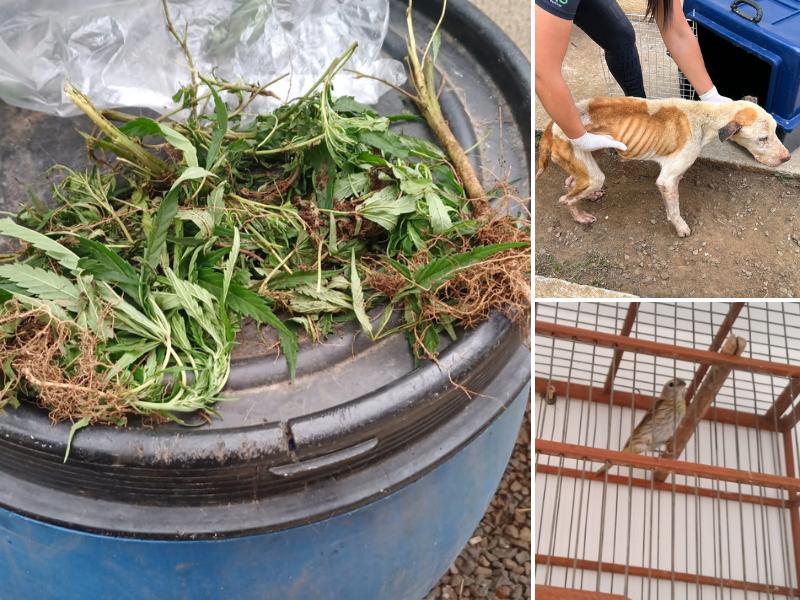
{"type": "Point", "coordinates": [745, 239]}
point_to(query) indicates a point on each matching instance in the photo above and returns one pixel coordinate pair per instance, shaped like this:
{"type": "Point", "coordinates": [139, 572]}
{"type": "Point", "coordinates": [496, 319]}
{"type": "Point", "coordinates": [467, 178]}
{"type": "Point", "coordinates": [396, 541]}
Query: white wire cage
{"type": "Point", "coordinates": [662, 78]}
{"type": "Point", "coordinates": [728, 527]}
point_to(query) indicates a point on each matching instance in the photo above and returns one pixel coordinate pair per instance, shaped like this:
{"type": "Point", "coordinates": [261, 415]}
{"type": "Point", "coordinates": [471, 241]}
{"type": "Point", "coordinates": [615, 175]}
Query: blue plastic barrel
{"type": "Point", "coordinates": [396, 547]}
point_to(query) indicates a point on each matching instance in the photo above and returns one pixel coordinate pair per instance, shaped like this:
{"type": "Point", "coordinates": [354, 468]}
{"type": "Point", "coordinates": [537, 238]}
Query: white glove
{"type": "Point", "coordinates": [713, 95]}
{"type": "Point", "coordinates": [592, 141]}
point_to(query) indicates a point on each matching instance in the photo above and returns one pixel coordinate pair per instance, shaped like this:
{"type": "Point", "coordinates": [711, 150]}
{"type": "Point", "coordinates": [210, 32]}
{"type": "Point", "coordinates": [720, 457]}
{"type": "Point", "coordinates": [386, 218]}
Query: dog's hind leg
{"type": "Point", "coordinates": [595, 191]}
{"type": "Point", "coordinates": [586, 182]}
{"type": "Point", "coordinates": [667, 184]}
{"type": "Point", "coordinates": [593, 197]}
{"type": "Point", "coordinates": [596, 196]}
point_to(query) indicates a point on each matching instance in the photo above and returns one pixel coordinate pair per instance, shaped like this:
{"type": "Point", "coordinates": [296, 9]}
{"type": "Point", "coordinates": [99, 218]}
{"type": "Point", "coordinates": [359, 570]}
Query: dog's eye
{"type": "Point", "coordinates": [763, 139]}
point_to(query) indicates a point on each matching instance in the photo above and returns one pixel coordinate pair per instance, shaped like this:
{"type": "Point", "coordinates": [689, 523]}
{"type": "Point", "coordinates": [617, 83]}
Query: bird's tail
{"type": "Point", "coordinates": [545, 145]}
{"type": "Point", "coordinates": [603, 469]}
{"type": "Point", "coordinates": [608, 465]}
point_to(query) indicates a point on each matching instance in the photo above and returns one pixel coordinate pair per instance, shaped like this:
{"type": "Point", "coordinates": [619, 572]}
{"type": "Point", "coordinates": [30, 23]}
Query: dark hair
{"type": "Point", "coordinates": [659, 9]}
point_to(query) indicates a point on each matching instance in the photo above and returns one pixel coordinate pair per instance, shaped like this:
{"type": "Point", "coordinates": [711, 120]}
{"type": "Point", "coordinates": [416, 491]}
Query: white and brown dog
{"type": "Point", "coordinates": [669, 132]}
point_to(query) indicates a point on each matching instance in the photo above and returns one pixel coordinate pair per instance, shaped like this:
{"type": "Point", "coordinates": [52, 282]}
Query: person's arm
{"type": "Point", "coordinates": [685, 51]}
{"type": "Point", "coordinates": [552, 39]}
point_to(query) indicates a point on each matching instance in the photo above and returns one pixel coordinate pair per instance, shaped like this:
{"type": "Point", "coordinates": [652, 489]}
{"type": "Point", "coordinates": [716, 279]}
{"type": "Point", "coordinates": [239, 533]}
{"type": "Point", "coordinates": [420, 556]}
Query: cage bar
{"type": "Point", "coordinates": [736, 584]}
{"type": "Point", "coordinates": [785, 400]}
{"type": "Point", "coordinates": [722, 333]}
{"type": "Point", "coordinates": [643, 402]}
{"type": "Point", "coordinates": [668, 487]}
{"type": "Point", "coordinates": [627, 325]}
{"type": "Point", "coordinates": [666, 350]}
{"type": "Point", "coordinates": [552, 593]}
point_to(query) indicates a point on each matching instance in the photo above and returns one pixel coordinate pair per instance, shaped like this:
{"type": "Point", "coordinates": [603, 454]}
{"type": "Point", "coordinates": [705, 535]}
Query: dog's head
{"type": "Point", "coordinates": [754, 128]}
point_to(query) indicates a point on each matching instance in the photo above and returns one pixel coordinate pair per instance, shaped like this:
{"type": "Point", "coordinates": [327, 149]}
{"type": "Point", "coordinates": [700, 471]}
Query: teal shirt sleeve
{"type": "Point", "coordinates": [565, 9]}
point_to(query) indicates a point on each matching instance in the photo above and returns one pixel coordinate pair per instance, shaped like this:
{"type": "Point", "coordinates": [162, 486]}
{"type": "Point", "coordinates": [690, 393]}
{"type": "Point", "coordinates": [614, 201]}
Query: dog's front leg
{"type": "Point", "coordinates": [668, 186]}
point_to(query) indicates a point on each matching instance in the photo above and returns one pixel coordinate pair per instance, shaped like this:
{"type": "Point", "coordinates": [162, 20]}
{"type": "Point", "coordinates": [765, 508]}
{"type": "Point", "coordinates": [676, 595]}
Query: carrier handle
{"type": "Point", "coordinates": [752, 4]}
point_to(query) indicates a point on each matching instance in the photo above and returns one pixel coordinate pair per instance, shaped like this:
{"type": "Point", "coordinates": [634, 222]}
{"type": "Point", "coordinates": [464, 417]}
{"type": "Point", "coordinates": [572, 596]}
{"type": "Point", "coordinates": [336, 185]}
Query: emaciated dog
{"type": "Point", "coordinates": [670, 132]}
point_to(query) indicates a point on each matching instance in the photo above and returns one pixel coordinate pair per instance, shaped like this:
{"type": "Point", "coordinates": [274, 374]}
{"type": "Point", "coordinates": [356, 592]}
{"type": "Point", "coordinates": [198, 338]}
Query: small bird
{"type": "Point", "coordinates": [658, 426]}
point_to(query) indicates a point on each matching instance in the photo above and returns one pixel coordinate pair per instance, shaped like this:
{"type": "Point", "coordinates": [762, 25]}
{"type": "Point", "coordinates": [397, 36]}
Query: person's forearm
{"type": "Point", "coordinates": [552, 39]}
{"type": "Point", "coordinates": [557, 100]}
{"type": "Point", "coordinates": [685, 51]}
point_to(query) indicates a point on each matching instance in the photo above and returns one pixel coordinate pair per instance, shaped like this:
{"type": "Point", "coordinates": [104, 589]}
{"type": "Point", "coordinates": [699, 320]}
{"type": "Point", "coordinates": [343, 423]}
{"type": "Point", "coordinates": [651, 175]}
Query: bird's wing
{"type": "Point", "coordinates": [643, 424]}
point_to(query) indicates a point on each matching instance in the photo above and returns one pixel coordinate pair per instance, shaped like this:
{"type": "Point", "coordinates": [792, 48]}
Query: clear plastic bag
{"type": "Point", "coordinates": [120, 53]}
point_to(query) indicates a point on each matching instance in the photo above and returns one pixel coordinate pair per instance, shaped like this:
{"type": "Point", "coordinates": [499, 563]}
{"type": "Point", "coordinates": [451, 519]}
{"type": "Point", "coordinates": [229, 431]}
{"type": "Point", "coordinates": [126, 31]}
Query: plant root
{"type": "Point", "coordinates": [501, 283]}
{"type": "Point", "coordinates": [36, 352]}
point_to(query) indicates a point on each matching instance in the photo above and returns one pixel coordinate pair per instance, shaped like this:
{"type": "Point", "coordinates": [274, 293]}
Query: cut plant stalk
{"type": "Point", "coordinates": [124, 146]}
{"type": "Point", "coordinates": [422, 72]}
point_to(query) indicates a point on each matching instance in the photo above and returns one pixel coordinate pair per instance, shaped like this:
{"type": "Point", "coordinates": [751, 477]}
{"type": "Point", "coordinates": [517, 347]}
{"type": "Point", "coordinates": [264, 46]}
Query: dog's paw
{"type": "Point", "coordinates": [683, 229]}
{"type": "Point", "coordinates": [595, 196]}
{"type": "Point", "coordinates": [569, 181]}
{"type": "Point", "coordinates": [583, 217]}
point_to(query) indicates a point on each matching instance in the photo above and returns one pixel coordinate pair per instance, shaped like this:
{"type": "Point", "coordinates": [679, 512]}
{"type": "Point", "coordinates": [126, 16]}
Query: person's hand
{"type": "Point", "coordinates": [592, 141]}
{"type": "Point", "coordinates": [713, 95]}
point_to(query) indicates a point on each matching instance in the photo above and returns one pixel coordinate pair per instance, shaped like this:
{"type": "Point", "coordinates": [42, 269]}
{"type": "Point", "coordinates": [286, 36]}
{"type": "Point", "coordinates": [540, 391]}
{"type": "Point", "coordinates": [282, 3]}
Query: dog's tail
{"type": "Point", "coordinates": [545, 149]}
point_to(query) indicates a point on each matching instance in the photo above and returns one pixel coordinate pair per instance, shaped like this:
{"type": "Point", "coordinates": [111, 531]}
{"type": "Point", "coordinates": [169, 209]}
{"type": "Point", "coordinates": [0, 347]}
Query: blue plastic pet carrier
{"type": "Point", "coordinates": [752, 48]}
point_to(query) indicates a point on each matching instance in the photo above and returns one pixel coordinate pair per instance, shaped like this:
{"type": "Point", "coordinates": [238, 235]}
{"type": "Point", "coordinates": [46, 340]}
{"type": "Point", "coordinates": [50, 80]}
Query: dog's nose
{"type": "Point", "coordinates": [786, 157]}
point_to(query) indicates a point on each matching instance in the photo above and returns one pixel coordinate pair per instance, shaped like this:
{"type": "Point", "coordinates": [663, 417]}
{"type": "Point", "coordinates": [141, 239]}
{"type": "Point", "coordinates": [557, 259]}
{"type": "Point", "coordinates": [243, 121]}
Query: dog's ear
{"type": "Point", "coordinates": [729, 130]}
{"type": "Point", "coordinates": [752, 99]}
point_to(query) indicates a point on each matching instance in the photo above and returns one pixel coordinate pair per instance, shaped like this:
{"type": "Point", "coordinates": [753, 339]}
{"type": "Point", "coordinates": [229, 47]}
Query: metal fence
{"type": "Point", "coordinates": [662, 78]}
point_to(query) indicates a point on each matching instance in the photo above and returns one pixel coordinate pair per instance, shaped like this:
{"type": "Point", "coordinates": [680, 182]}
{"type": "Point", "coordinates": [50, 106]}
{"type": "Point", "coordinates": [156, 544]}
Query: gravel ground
{"type": "Point", "coordinates": [514, 17]}
{"type": "Point", "coordinates": [496, 563]}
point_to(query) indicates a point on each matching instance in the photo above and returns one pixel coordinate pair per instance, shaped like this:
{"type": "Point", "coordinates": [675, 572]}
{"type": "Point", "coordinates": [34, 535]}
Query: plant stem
{"type": "Point", "coordinates": [116, 115]}
{"type": "Point", "coordinates": [427, 101]}
{"type": "Point", "coordinates": [290, 147]}
{"type": "Point", "coordinates": [185, 47]}
{"type": "Point", "coordinates": [125, 145]}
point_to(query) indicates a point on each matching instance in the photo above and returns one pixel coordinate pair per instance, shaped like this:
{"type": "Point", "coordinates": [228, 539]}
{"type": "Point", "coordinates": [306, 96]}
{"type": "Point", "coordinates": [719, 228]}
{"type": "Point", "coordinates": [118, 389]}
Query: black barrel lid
{"type": "Point", "coordinates": [354, 402]}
